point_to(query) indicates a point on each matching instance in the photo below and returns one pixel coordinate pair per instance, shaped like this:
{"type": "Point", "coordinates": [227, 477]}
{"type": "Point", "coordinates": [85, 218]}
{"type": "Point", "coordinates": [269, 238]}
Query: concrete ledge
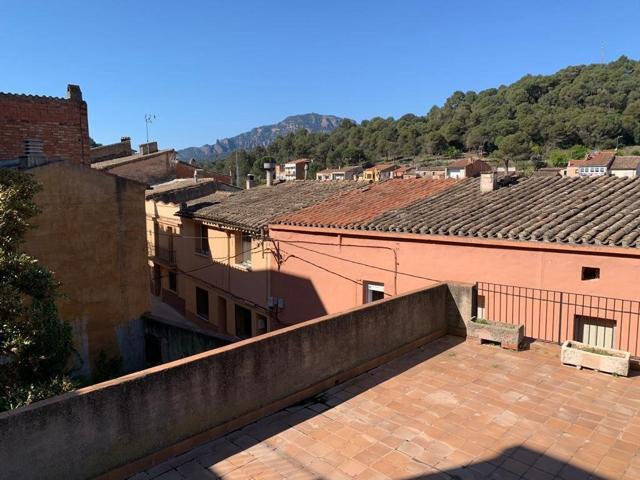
{"type": "Point", "coordinates": [117, 427]}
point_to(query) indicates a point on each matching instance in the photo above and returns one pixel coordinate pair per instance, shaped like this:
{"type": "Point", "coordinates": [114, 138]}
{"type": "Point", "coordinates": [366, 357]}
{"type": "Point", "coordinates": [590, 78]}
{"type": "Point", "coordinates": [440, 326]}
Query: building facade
{"type": "Point", "coordinates": [149, 165]}
{"type": "Point", "coordinates": [347, 173]}
{"type": "Point", "coordinates": [221, 256]}
{"type": "Point", "coordinates": [466, 168]}
{"type": "Point", "coordinates": [88, 233]}
{"type": "Point", "coordinates": [88, 229]}
{"type": "Point", "coordinates": [379, 172]}
{"type": "Point", "coordinates": [463, 234]}
{"type": "Point", "coordinates": [296, 169]}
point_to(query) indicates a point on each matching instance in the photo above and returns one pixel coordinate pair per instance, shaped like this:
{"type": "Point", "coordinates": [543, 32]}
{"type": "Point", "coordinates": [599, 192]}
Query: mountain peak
{"type": "Point", "coordinates": [262, 136]}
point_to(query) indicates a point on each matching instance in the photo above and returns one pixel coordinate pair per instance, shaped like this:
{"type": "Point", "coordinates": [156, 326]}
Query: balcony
{"type": "Point", "coordinates": [161, 254]}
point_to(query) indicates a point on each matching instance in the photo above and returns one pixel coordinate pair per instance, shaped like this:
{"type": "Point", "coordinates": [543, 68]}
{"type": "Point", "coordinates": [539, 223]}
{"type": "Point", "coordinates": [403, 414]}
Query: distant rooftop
{"type": "Point", "coordinates": [579, 211]}
{"type": "Point", "coordinates": [598, 159]}
{"type": "Point", "coordinates": [300, 160]}
{"type": "Point", "coordinates": [181, 190]}
{"type": "Point", "coordinates": [358, 206]}
{"type": "Point", "coordinates": [255, 208]}
{"type": "Point", "coordinates": [625, 163]}
{"type": "Point", "coordinates": [107, 164]}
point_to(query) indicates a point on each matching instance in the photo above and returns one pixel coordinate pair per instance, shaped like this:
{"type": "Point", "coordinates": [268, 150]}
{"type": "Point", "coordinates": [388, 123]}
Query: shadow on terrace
{"type": "Point", "coordinates": [449, 409]}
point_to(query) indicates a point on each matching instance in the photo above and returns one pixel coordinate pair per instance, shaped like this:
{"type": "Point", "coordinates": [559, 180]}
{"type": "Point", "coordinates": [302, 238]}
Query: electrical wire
{"type": "Point", "coordinates": [309, 262]}
{"type": "Point", "coordinates": [295, 244]}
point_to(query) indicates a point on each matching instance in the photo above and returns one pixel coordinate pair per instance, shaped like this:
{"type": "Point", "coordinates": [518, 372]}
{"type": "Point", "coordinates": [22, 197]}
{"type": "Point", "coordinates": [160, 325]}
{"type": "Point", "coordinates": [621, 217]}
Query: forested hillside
{"type": "Point", "coordinates": [595, 106]}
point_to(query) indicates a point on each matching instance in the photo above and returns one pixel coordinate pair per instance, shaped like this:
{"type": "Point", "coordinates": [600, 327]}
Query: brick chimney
{"type": "Point", "coordinates": [488, 182]}
{"type": "Point", "coordinates": [74, 93]}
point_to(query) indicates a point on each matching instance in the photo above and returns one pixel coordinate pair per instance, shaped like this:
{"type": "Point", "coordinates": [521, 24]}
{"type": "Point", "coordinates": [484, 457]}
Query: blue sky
{"type": "Point", "coordinates": [212, 69]}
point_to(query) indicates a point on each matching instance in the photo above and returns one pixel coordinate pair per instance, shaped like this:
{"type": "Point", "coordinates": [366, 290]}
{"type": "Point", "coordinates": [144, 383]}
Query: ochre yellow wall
{"type": "Point", "coordinates": [216, 272]}
{"type": "Point", "coordinates": [90, 233]}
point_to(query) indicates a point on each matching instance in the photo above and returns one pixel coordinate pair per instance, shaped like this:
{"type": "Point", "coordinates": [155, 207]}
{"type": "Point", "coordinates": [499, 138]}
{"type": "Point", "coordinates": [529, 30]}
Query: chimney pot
{"type": "Point", "coordinates": [488, 182]}
{"type": "Point", "coordinates": [250, 183]}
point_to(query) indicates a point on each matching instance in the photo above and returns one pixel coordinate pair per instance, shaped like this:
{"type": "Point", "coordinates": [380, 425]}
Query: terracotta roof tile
{"type": "Point", "coordinates": [599, 159]}
{"type": "Point", "coordinates": [356, 207]}
{"type": "Point", "coordinates": [254, 209]}
{"type": "Point", "coordinates": [625, 163]}
{"type": "Point", "coordinates": [581, 211]}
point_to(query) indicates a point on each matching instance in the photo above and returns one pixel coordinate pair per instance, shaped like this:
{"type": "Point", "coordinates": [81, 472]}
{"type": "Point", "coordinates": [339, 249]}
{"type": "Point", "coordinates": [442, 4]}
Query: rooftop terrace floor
{"type": "Point", "coordinates": [451, 409]}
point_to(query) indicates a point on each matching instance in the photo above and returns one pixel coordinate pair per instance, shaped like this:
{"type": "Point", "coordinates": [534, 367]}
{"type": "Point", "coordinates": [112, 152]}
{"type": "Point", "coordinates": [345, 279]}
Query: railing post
{"type": "Point", "coordinates": [560, 318]}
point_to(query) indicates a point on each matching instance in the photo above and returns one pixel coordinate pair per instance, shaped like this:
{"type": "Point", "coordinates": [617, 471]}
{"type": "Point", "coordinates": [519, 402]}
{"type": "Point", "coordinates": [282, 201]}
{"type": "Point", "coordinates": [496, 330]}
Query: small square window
{"type": "Point", "coordinates": [373, 292]}
{"type": "Point", "coordinates": [590, 273]}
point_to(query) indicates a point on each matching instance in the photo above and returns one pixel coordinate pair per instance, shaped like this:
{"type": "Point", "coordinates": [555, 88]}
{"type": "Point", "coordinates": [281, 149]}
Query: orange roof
{"type": "Point", "coordinates": [599, 159]}
{"type": "Point", "coordinates": [461, 163]}
{"type": "Point", "coordinates": [300, 160]}
{"type": "Point", "coordinates": [382, 167]}
{"type": "Point", "coordinates": [361, 205]}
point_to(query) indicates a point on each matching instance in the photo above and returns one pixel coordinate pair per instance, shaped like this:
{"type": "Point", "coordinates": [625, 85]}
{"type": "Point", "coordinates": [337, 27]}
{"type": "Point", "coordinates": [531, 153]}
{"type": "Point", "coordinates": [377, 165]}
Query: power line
{"type": "Point", "coordinates": [295, 244]}
{"type": "Point", "coordinates": [357, 282]}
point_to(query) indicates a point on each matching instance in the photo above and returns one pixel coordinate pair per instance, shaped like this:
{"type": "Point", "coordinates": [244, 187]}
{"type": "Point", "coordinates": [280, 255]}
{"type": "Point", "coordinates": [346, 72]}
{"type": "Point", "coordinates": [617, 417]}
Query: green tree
{"type": "Point", "coordinates": [35, 344]}
{"type": "Point", "coordinates": [513, 148]}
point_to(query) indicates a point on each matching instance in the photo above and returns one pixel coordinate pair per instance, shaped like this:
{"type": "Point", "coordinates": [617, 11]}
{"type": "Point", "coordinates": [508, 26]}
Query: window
{"type": "Point", "coordinates": [261, 324]}
{"type": "Point", "coordinates": [173, 281]}
{"type": "Point", "coordinates": [243, 322]}
{"type": "Point", "coordinates": [590, 273]}
{"type": "Point", "coordinates": [373, 292]}
{"type": "Point", "coordinates": [597, 332]}
{"type": "Point", "coordinates": [202, 303]}
{"type": "Point", "coordinates": [202, 242]}
{"type": "Point", "coordinates": [243, 249]}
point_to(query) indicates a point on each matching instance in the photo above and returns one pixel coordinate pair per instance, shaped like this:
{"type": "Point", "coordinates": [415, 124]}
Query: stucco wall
{"type": "Point", "coordinates": [360, 257]}
{"type": "Point", "coordinates": [90, 233]}
{"type": "Point", "coordinates": [93, 430]}
{"type": "Point", "coordinates": [151, 169]}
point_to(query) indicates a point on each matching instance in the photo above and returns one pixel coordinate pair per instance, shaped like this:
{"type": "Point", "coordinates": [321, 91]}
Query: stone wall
{"type": "Point", "coordinates": [61, 124]}
{"type": "Point", "coordinates": [135, 421]}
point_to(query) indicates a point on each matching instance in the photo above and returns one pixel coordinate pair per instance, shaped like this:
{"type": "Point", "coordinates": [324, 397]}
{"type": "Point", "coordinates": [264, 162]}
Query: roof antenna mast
{"type": "Point", "coordinates": [148, 118]}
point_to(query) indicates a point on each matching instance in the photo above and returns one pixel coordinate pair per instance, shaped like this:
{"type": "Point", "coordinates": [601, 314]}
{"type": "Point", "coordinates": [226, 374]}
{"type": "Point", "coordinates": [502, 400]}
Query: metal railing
{"type": "Point", "coordinates": [164, 254]}
{"type": "Point", "coordinates": [556, 316]}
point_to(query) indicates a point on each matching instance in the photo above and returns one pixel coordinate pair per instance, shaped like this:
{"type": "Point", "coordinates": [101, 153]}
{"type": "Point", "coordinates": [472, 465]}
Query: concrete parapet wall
{"type": "Point", "coordinates": [134, 421]}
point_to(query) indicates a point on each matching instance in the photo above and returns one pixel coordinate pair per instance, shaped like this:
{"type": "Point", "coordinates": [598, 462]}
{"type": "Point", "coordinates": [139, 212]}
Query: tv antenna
{"type": "Point", "coordinates": [148, 118]}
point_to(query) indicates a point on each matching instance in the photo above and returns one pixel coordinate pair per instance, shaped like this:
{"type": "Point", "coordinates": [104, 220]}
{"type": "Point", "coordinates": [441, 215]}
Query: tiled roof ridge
{"type": "Point", "coordinates": [119, 161]}
{"type": "Point", "coordinates": [28, 96]}
{"type": "Point", "coordinates": [350, 211]}
{"type": "Point", "coordinates": [592, 210]}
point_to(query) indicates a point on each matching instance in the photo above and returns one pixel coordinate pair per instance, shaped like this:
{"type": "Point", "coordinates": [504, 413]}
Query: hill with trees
{"type": "Point", "coordinates": [576, 109]}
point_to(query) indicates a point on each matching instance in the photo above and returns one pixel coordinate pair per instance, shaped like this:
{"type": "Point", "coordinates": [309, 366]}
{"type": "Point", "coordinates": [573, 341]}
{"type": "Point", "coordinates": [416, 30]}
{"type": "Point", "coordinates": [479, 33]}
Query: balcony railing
{"type": "Point", "coordinates": [555, 316]}
{"type": "Point", "coordinates": [163, 254]}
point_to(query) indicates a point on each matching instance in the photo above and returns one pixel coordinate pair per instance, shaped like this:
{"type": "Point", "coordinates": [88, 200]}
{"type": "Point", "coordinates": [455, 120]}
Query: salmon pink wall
{"type": "Point", "coordinates": [320, 258]}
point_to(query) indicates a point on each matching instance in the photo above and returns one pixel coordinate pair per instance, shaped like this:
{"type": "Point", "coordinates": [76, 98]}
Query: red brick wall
{"type": "Point", "coordinates": [61, 125]}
